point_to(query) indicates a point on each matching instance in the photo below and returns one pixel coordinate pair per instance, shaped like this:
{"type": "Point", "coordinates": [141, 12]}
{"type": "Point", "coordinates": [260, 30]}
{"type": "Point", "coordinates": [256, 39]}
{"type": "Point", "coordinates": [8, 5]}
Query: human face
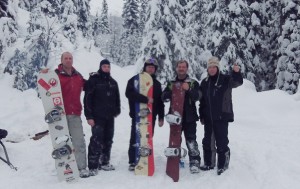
{"type": "Point", "coordinates": [105, 68]}
{"type": "Point", "coordinates": [182, 69]}
{"type": "Point", "coordinates": [212, 70]}
{"type": "Point", "coordinates": [67, 60]}
{"type": "Point", "coordinates": [150, 69]}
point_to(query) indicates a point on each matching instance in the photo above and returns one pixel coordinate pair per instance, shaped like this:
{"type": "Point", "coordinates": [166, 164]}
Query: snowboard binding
{"type": "Point", "coordinates": [61, 152]}
{"type": "Point", "coordinates": [145, 151]}
{"type": "Point", "coordinates": [144, 112]}
{"type": "Point", "coordinates": [174, 118]}
{"type": "Point", "coordinates": [54, 115]}
{"type": "Point", "coordinates": [175, 152]}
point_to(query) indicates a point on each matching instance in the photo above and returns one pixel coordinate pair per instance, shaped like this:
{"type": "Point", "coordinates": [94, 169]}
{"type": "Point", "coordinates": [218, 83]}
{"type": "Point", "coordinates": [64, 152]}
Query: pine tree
{"type": "Point", "coordinates": [164, 39]}
{"type": "Point", "coordinates": [131, 16]}
{"type": "Point", "coordinates": [288, 66]}
{"type": "Point", "coordinates": [104, 19]}
{"type": "Point", "coordinates": [41, 38]}
{"type": "Point", "coordinates": [69, 20]}
{"type": "Point", "coordinates": [83, 13]}
{"type": "Point", "coordinates": [8, 25]}
{"type": "Point", "coordinates": [195, 37]}
{"type": "Point", "coordinates": [130, 39]}
{"type": "Point", "coordinates": [228, 24]}
{"type": "Point", "coordinates": [272, 34]}
{"type": "Point", "coordinates": [144, 8]}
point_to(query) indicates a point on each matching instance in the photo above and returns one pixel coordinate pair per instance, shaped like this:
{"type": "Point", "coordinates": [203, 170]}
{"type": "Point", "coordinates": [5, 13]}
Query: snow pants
{"type": "Point", "coordinates": [132, 141]}
{"type": "Point", "coordinates": [189, 130]}
{"type": "Point", "coordinates": [216, 140]}
{"type": "Point", "coordinates": [101, 142]}
{"type": "Point", "coordinates": [77, 135]}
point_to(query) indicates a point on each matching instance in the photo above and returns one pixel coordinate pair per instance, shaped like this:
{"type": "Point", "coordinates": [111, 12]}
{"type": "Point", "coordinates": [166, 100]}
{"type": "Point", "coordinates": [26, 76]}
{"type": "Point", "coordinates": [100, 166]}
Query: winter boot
{"type": "Point", "coordinates": [107, 167]}
{"type": "Point", "coordinates": [223, 161]}
{"type": "Point", "coordinates": [93, 172]}
{"type": "Point", "coordinates": [206, 168]}
{"type": "Point", "coordinates": [194, 166]}
{"type": "Point", "coordinates": [83, 173]}
{"type": "Point", "coordinates": [131, 167]}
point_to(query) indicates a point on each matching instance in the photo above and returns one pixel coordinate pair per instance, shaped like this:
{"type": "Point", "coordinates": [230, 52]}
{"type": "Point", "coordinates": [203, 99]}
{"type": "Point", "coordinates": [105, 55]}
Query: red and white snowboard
{"type": "Point", "coordinates": [49, 89]}
{"type": "Point", "coordinates": [143, 84]}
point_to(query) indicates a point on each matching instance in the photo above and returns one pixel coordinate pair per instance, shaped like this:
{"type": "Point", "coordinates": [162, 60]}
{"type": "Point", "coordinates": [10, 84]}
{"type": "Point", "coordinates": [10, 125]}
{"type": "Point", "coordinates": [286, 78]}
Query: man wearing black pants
{"type": "Point", "coordinates": [189, 126]}
{"type": "Point", "coordinates": [215, 113]}
{"type": "Point", "coordinates": [101, 106]}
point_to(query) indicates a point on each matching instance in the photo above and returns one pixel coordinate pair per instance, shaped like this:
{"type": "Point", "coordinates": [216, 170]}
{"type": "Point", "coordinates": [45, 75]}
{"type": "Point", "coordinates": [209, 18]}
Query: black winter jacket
{"type": "Point", "coordinates": [191, 97]}
{"type": "Point", "coordinates": [133, 97]}
{"type": "Point", "coordinates": [102, 97]}
{"type": "Point", "coordinates": [216, 101]}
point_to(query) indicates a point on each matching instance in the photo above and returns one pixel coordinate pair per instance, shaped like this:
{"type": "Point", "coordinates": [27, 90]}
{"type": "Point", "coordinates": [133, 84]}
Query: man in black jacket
{"type": "Point", "coordinates": [215, 113]}
{"type": "Point", "coordinates": [150, 67]}
{"type": "Point", "coordinates": [190, 116]}
{"type": "Point", "coordinates": [101, 106]}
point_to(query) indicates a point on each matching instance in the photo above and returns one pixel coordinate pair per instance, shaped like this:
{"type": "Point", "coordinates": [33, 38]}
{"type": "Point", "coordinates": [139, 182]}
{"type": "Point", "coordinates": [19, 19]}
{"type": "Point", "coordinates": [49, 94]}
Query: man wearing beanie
{"type": "Point", "coordinates": [216, 112]}
{"type": "Point", "coordinates": [101, 106]}
{"type": "Point", "coordinates": [150, 66]}
{"type": "Point", "coordinates": [189, 118]}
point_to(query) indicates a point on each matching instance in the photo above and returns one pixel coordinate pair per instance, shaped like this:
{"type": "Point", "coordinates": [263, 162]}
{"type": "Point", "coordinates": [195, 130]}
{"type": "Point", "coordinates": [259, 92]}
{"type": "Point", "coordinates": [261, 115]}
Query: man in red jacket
{"type": "Point", "coordinates": [72, 84]}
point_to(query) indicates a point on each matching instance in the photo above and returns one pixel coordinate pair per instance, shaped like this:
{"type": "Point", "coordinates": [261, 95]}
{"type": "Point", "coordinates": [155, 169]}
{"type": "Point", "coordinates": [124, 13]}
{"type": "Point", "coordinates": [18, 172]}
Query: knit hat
{"type": "Point", "coordinates": [104, 61]}
{"type": "Point", "coordinates": [150, 62]}
{"type": "Point", "coordinates": [213, 61]}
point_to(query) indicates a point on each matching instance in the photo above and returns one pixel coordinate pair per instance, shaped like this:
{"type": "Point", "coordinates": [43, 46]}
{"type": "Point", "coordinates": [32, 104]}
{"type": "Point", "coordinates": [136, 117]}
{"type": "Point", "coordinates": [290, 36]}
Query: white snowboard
{"type": "Point", "coordinates": [50, 92]}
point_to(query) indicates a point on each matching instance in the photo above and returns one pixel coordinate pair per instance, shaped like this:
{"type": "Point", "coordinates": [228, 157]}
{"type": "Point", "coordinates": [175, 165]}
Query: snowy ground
{"type": "Point", "coordinates": [264, 142]}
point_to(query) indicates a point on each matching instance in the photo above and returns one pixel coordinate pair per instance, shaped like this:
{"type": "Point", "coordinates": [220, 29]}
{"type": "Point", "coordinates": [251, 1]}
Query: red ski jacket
{"type": "Point", "coordinates": [71, 86]}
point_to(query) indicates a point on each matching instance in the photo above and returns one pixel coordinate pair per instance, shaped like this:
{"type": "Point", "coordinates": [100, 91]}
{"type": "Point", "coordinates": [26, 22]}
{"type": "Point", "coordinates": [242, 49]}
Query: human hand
{"type": "Point", "coordinates": [160, 122]}
{"type": "Point", "coordinates": [91, 122]}
{"type": "Point", "coordinates": [185, 86]}
{"type": "Point", "coordinates": [202, 121]}
{"type": "Point", "coordinates": [236, 68]}
{"type": "Point", "coordinates": [45, 70]}
{"type": "Point", "coordinates": [150, 100]}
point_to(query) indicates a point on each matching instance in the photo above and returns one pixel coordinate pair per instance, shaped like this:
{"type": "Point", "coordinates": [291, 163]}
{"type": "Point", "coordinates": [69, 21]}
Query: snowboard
{"type": "Point", "coordinates": [143, 84]}
{"type": "Point", "coordinates": [49, 89]}
{"type": "Point", "coordinates": [174, 118]}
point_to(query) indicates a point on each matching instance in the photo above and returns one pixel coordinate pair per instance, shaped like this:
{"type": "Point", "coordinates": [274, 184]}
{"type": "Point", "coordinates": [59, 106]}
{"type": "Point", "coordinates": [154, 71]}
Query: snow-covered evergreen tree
{"type": "Point", "coordinates": [130, 39]}
{"type": "Point", "coordinates": [103, 22]}
{"type": "Point", "coordinates": [288, 66]}
{"type": "Point", "coordinates": [41, 38]}
{"type": "Point", "coordinates": [69, 20]}
{"type": "Point", "coordinates": [164, 39]}
{"type": "Point", "coordinates": [28, 5]}
{"type": "Point", "coordinates": [143, 14]}
{"type": "Point", "coordinates": [272, 33]}
{"type": "Point", "coordinates": [83, 13]}
{"type": "Point", "coordinates": [8, 24]}
{"type": "Point", "coordinates": [130, 15]}
{"type": "Point", "coordinates": [101, 29]}
{"type": "Point", "coordinates": [195, 37]}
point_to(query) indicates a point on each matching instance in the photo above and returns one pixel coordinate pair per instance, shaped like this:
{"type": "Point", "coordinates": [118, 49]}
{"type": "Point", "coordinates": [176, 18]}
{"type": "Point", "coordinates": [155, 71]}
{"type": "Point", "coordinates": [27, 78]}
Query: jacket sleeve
{"type": "Point", "coordinates": [167, 93]}
{"type": "Point", "coordinates": [202, 102]}
{"type": "Point", "coordinates": [194, 92]}
{"type": "Point", "coordinates": [236, 79]}
{"type": "Point", "coordinates": [132, 95]}
{"type": "Point", "coordinates": [88, 99]}
{"type": "Point", "coordinates": [118, 102]}
{"type": "Point", "coordinates": [160, 105]}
